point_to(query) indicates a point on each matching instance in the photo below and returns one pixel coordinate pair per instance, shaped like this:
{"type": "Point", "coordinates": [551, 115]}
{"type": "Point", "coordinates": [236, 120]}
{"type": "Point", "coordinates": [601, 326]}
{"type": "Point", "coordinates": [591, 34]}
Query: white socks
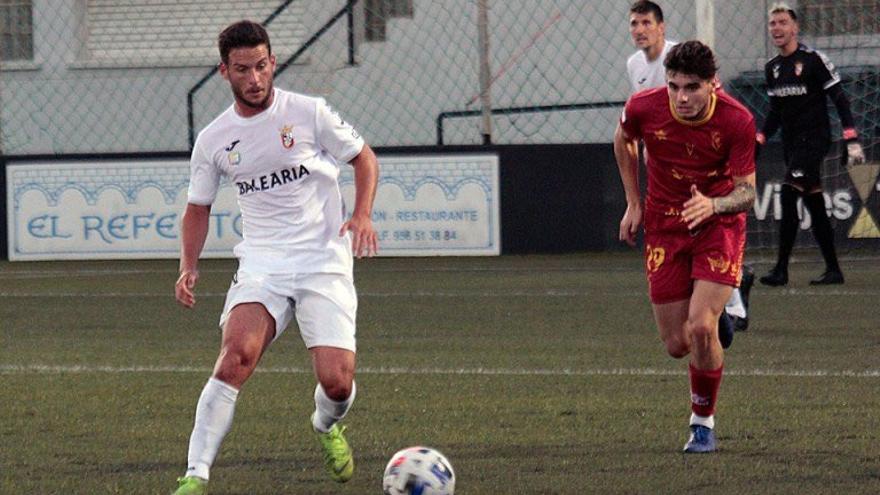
{"type": "Point", "coordinates": [213, 419]}
{"type": "Point", "coordinates": [707, 421]}
{"type": "Point", "coordinates": [328, 411]}
{"type": "Point", "coordinates": [214, 414]}
{"type": "Point", "coordinates": [735, 305]}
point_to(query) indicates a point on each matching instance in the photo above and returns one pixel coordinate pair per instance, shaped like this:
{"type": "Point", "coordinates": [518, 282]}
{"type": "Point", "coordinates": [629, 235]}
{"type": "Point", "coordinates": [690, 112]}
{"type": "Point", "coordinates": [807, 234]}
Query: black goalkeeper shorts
{"type": "Point", "coordinates": [804, 155]}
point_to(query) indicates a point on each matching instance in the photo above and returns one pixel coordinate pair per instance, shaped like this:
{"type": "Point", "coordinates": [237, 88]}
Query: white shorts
{"type": "Point", "coordinates": [325, 304]}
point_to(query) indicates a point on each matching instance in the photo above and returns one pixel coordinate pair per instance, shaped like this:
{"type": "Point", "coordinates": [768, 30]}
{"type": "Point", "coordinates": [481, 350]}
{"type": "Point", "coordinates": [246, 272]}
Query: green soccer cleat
{"type": "Point", "coordinates": [191, 485]}
{"type": "Point", "coordinates": [337, 454]}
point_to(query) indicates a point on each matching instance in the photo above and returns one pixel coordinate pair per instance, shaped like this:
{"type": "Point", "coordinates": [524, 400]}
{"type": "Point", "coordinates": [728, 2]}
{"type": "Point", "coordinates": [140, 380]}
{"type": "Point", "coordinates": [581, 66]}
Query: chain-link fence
{"type": "Point", "coordinates": [115, 76]}
{"type": "Point", "coordinates": [129, 76]}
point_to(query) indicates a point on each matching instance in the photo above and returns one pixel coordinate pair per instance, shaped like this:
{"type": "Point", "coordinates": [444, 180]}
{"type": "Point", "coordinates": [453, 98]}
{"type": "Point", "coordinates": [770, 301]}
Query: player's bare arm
{"type": "Point", "coordinates": [700, 208]}
{"type": "Point", "coordinates": [366, 176]}
{"type": "Point", "coordinates": [193, 232]}
{"type": "Point", "coordinates": [740, 199]}
{"type": "Point", "coordinates": [626, 152]}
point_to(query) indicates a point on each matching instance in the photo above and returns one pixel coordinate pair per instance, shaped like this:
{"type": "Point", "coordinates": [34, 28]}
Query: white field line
{"type": "Point", "coordinates": [462, 293]}
{"type": "Point", "coordinates": [452, 293]}
{"type": "Point", "coordinates": [87, 272]}
{"type": "Point", "coordinates": [34, 369]}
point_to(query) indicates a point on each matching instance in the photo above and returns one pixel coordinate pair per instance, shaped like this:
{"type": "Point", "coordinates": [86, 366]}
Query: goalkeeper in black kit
{"type": "Point", "coordinates": [798, 80]}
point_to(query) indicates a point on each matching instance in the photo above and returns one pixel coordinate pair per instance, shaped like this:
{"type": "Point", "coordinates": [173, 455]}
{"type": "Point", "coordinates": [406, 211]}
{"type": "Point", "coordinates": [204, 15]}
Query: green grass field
{"type": "Point", "coordinates": [533, 374]}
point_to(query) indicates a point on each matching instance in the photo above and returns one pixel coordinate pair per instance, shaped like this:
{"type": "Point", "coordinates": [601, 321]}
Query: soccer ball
{"type": "Point", "coordinates": [418, 471]}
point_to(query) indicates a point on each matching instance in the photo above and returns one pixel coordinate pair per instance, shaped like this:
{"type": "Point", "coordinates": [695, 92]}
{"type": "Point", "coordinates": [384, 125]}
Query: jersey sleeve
{"type": "Point", "coordinates": [742, 147]}
{"type": "Point", "coordinates": [336, 135]}
{"type": "Point", "coordinates": [204, 176]}
{"type": "Point", "coordinates": [774, 115]}
{"type": "Point", "coordinates": [630, 74]}
{"type": "Point", "coordinates": [826, 72]}
{"type": "Point", "coordinates": [630, 119]}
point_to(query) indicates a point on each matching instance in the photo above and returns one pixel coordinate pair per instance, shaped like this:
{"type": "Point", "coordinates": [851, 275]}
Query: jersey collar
{"type": "Point", "coordinates": [260, 117]}
{"type": "Point", "coordinates": [713, 98]}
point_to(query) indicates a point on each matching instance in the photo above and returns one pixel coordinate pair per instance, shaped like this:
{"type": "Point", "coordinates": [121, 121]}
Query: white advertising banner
{"type": "Point", "coordinates": [425, 206]}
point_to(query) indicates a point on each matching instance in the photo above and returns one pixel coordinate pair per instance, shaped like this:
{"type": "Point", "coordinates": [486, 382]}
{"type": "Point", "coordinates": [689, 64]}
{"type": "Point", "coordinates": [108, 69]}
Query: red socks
{"type": "Point", "coordinates": [704, 389]}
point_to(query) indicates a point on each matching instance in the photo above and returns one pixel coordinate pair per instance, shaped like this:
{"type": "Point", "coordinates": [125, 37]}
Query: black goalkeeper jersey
{"type": "Point", "coordinates": [797, 86]}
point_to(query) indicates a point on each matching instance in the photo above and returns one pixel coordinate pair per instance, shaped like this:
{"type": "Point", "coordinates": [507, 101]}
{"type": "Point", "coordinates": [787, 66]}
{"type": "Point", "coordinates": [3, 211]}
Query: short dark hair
{"type": "Point", "coordinates": [647, 6]}
{"type": "Point", "coordinates": [693, 58]}
{"type": "Point", "coordinates": [242, 34]}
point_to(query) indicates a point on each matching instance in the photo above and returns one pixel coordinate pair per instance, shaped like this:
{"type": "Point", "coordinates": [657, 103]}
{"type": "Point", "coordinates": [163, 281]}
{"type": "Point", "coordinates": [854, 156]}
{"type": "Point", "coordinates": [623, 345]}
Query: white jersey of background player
{"type": "Point", "coordinates": [282, 152]}
{"type": "Point", "coordinates": [645, 67]}
{"type": "Point", "coordinates": [645, 70]}
{"type": "Point", "coordinates": [644, 73]}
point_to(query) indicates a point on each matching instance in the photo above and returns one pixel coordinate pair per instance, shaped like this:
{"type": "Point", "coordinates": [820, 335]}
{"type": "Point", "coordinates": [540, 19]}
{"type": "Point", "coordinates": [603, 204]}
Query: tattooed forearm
{"type": "Point", "coordinates": [740, 199]}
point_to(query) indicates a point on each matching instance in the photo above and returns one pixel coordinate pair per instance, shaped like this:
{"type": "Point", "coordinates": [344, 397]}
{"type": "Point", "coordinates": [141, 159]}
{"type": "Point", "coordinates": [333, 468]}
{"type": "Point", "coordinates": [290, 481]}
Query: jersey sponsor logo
{"type": "Point", "coordinates": [775, 71]}
{"type": "Point", "coordinates": [287, 136]}
{"type": "Point", "coordinates": [275, 179]}
{"type": "Point", "coordinates": [690, 148]}
{"type": "Point", "coordinates": [642, 81]}
{"type": "Point", "coordinates": [798, 68]}
{"type": "Point", "coordinates": [654, 258]}
{"type": "Point", "coordinates": [788, 90]}
{"type": "Point", "coordinates": [232, 145]}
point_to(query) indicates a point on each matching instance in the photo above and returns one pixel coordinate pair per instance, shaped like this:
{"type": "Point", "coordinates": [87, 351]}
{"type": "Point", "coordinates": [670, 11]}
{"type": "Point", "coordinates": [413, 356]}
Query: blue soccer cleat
{"type": "Point", "coordinates": [702, 440]}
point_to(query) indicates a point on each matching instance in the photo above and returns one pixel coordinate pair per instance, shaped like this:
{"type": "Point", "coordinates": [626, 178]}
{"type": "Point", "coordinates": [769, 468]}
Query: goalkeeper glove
{"type": "Point", "coordinates": [855, 154]}
{"type": "Point", "coordinates": [760, 140]}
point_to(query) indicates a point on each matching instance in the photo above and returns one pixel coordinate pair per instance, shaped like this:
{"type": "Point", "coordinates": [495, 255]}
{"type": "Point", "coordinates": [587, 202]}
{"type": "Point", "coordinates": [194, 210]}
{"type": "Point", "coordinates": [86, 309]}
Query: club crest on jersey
{"type": "Point", "coordinates": [287, 136]}
{"type": "Point", "coordinates": [776, 71]}
{"type": "Point", "coordinates": [798, 68]}
{"type": "Point", "coordinates": [716, 140]}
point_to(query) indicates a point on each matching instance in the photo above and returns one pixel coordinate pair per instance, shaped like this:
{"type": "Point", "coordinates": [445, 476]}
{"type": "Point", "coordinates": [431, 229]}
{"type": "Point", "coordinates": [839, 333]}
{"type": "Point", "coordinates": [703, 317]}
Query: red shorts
{"type": "Point", "coordinates": [675, 257]}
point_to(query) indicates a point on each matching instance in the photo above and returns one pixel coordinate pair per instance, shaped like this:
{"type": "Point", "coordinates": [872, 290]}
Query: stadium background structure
{"type": "Point", "coordinates": [86, 80]}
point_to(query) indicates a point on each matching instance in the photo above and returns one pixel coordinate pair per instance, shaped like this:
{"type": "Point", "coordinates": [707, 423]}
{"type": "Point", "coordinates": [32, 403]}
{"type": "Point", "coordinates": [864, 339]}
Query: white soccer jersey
{"type": "Point", "coordinates": [644, 74]}
{"type": "Point", "coordinates": [284, 165]}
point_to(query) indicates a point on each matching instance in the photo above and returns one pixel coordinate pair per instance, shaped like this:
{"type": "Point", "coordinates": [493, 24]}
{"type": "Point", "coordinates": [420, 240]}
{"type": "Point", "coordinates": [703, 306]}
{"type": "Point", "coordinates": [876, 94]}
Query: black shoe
{"type": "Point", "coordinates": [830, 277]}
{"type": "Point", "coordinates": [775, 278]}
{"type": "Point", "coordinates": [725, 329]}
{"type": "Point", "coordinates": [745, 287]}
